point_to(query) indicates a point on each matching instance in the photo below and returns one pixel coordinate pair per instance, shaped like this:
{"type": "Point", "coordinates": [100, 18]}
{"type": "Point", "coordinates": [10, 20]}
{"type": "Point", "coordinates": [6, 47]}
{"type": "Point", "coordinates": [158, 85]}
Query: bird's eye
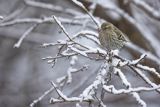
{"type": "Point", "coordinates": [120, 37]}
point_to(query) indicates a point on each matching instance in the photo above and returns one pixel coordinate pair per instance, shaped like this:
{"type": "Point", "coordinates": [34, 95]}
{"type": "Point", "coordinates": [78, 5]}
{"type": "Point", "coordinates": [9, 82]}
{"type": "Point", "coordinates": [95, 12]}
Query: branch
{"type": "Point", "coordinates": [136, 70]}
{"type": "Point", "coordinates": [27, 32]}
{"type": "Point", "coordinates": [135, 64]}
{"type": "Point", "coordinates": [146, 79]}
{"type": "Point", "coordinates": [69, 100]}
{"type": "Point", "coordinates": [1, 17]}
{"type": "Point", "coordinates": [66, 33]}
{"type": "Point", "coordinates": [65, 98]}
{"type": "Point", "coordinates": [14, 14]}
{"type": "Point", "coordinates": [70, 71]}
{"type": "Point", "coordinates": [111, 89]}
{"type": "Point", "coordinates": [41, 97]}
{"type": "Point", "coordinates": [139, 50]}
{"type": "Point", "coordinates": [61, 26]}
{"type": "Point", "coordinates": [149, 69]}
{"type": "Point", "coordinates": [128, 85]}
{"type": "Point", "coordinates": [84, 8]}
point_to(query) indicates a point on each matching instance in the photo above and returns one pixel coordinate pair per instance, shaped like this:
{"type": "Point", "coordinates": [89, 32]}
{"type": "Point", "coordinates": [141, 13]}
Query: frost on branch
{"type": "Point", "coordinates": [84, 72]}
{"type": "Point", "coordinates": [95, 91]}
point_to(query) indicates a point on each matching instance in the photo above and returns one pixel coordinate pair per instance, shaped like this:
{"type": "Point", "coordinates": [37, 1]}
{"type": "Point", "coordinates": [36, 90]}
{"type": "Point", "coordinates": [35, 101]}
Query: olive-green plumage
{"type": "Point", "coordinates": [111, 37]}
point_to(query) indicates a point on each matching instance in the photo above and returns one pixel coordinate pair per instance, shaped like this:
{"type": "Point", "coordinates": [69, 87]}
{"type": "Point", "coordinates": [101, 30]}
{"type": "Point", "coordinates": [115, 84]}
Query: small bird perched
{"type": "Point", "coordinates": [110, 37]}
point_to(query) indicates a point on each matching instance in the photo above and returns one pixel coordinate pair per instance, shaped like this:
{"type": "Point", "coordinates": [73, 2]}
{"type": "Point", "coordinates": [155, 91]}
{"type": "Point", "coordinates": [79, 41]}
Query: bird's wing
{"type": "Point", "coordinates": [121, 35]}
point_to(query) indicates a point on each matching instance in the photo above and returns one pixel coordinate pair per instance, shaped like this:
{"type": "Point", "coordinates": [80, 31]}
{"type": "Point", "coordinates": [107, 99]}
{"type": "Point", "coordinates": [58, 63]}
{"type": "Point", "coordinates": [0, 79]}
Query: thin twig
{"type": "Point", "coordinates": [41, 97]}
{"type": "Point", "coordinates": [128, 86]}
{"type": "Point", "coordinates": [63, 29]}
{"type": "Point", "coordinates": [65, 32]}
{"type": "Point", "coordinates": [84, 8]}
{"type": "Point", "coordinates": [27, 32]}
{"type": "Point", "coordinates": [149, 82]}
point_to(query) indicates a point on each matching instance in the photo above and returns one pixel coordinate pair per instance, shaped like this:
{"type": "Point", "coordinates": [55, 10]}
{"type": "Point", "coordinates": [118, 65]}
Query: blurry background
{"type": "Point", "coordinates": [24, 76]}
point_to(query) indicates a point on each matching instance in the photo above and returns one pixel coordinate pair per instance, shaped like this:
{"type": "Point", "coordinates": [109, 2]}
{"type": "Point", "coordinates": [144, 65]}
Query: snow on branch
{"type": "Point", "coordinates": [64, 98]}
{"type": "Point", "coordinates": [42, 96]}
{"type": "Point", "coordinates": [102, 79]}
{"type": "Point", "coordinates": [72, 49]}
{"type": "Point", "coordinates": [128, 86]}
{"type": "Point", "coordinates": [27, 32]}
{"type": "Point", "coordinates": [84, 8]}
{"type": "Point", "coordinates": [111, 89]}
{"type": "Point", "coordinates": [66, 33]}
{"type": "Point", "coordinates": [63, 29]}
{"type": "Point", "coordinates": [139, 50]}
{"type": "Point", "coordinates": [149, 69]}
{"type": "Point", "coordinates": [146, 79]}
{"type": "Point", "coordinates": [110, 63]}
{"type": "Point", "coordinates": [1, 17]}
{"type": "Point", "coordinates": [68, 77]}
{"type": "Point", "coordinates": [134, 62]}
{"type": "Point", "coordinates": [89, 92]}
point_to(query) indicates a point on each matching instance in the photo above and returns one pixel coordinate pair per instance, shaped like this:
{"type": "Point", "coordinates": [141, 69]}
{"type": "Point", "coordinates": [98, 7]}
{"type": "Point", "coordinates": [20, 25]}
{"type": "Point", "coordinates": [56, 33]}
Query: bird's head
{"type": "Point", "coordinates": [106, 25]}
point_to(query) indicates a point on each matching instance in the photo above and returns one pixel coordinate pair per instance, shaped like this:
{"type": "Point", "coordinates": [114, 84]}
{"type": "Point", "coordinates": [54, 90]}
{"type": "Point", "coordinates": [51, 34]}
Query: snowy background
{"type": "Point", "coordinates": [24, 76]}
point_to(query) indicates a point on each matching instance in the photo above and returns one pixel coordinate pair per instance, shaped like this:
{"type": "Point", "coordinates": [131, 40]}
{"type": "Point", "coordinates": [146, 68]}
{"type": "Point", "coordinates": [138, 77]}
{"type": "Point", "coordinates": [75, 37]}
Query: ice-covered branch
{"type": "Point", "coordinates": [14, 14]}
{"type": "Point", "coordinates": [27, 32]}
{"type": "Point", "coordinates": [145, 78]}
{"type": "Point", "coordinates": [140, 50]}
{"type": "Point", "coordinates": [149, 69]}
{"type": "Point", "coordinates": [84, 8]}
{"type": "Point", "coordinates": [128, 85]}
{"type": "Point", "coordinates": [68, 77]}
{"type": "Point", "coordinates": [66, 33]}
{"type": "Point", "coordinates": [41, 97]}
{"type": "Point", "coordinates": [135, 64]}
{"type": "Point", "coordinates": [1, 17]}
{"type": "Point", "coordinates": [64, 98]}
{"type": "Point", "coordinates": [111, 89]}
{"type": "Point", "coordinates": [61, 26]}
{"type": "Point", "coordinates": [72, 49]}
{"type": "Point", "coordinates": [103, 77]}
{"type": "Point", "coordinates": [69, 100]}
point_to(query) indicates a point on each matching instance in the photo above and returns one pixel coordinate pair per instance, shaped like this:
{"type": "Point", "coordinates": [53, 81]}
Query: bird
{"type": "Point", "coordinates": [110, 37]}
